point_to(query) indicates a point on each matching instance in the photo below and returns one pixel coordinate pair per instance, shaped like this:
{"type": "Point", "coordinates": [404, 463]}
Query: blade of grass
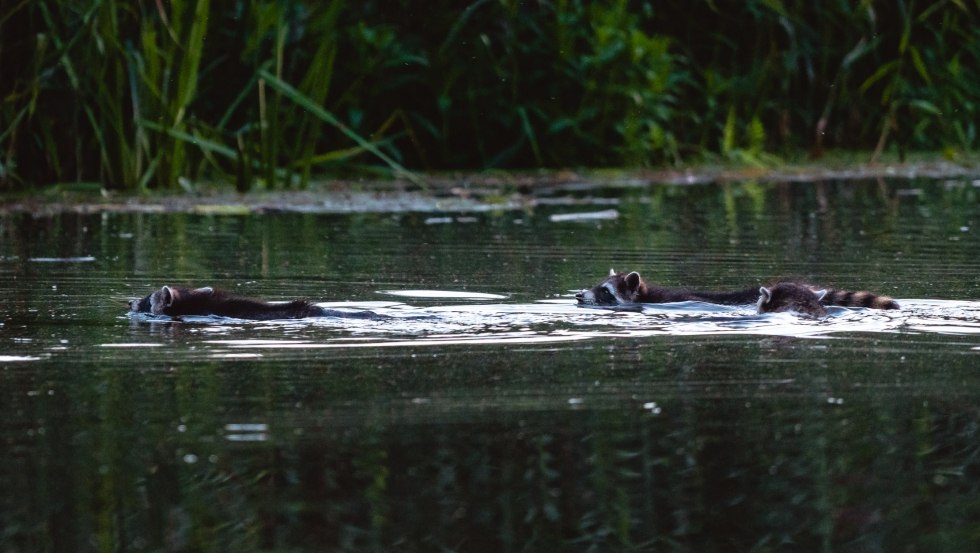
{"type": "Point", "coordinates": [315, 85]}
{"type": "Point", "coordinates": [63, 47]}
{"type": "Point", "coordinates": [319, 111]}
{"type": "Point", "coordinates": [338, 155]}
{"type": "Point", "coordinates": [206, 145]}
{"type": "Point", "coordinates": [189, 138]}
{"type": "Point", "coordinates": [188, 75]}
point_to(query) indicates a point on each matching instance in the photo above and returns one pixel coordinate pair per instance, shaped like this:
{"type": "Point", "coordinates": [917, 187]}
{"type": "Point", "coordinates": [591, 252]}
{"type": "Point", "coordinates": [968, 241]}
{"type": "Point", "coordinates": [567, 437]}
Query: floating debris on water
{"type": "Point", "coordinates": [79, 259]}
{"type": "Point", "coordinates": [605, 215]}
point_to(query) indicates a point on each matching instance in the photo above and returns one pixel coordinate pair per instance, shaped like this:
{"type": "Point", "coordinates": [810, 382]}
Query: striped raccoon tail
{"type": "Point", "coordinates": [858, 299]}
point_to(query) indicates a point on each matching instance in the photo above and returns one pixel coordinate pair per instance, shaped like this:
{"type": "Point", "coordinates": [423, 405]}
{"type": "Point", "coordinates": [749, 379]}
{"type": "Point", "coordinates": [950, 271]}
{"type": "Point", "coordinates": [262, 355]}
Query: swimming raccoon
{"type": "Point", "coordinates": [629, 288]}
{"type": "Point", "coordinates": [175, 302]}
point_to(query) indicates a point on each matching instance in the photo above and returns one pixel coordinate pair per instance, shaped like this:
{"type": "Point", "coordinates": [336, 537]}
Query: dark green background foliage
{"type": "Point", "coordinates": [156, 94]}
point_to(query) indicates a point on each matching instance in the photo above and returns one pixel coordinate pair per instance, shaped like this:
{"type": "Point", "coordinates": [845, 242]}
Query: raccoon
{"type": "Point", "coordinates": [806, 299]}
{"type": "Point", "coordinates": [629, 288]}
{"type": "Point", "coordinates": [175, 302]}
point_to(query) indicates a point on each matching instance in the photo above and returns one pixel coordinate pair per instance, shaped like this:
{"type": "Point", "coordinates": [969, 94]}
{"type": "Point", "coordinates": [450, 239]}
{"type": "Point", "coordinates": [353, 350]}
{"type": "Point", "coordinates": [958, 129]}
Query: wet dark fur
{"type": "Point", "coordinates": [176, 302]}
{"type": "Point", "coordinates": [630, 288]}
{"type": "Point", "coordinates": [806, 299]}
{"type": "Point", "coordinates": [792, 296]}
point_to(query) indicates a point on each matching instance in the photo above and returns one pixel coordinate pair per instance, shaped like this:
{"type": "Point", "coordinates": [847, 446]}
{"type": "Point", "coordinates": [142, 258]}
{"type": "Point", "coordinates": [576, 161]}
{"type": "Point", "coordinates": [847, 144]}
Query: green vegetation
{"type": "Point", "coordinates": [136, 95]}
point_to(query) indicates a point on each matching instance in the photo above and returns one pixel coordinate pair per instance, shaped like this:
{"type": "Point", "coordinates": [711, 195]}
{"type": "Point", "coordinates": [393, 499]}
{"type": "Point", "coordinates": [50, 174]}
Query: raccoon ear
{"type": "Point", "coordinates": [766, 295]}
{"type": "Point", "coordinates": [612, 272]}
{"type": "Point", "coordinates": [633, 280]}
{"type": "Point", "coordinates": [167, 294]}
{"type": "Point", "coordinates": [821, 294]}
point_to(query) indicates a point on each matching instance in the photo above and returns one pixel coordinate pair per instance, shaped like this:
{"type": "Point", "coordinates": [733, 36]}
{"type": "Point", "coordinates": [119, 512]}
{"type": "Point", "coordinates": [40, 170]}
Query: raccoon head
{"type": "Point", "coordinates": [789, 296]}
{"type": "Point", "coordinates": [163, 298]}
{"type": "Point", "coordinates": [157, 302]}
{"type": "Point", "coordinates": [617, 289]}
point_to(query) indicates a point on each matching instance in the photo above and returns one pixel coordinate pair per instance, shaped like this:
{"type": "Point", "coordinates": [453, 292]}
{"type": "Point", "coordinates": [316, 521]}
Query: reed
{"type": "Point", "coordinates": [273, 94]}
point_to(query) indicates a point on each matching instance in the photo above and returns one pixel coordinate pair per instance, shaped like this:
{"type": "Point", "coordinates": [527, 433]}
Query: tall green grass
{"type": "Point", "coordinates": [270, 94]}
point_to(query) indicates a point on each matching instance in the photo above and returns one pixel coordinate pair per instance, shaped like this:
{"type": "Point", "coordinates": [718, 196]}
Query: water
{"type": "Point", "coordinates": [489, 412]}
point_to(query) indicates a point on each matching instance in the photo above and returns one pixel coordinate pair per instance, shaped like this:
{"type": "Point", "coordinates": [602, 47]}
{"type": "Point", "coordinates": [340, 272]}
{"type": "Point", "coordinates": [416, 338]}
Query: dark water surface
{"type": "Point", "coordinates": [489, 413]}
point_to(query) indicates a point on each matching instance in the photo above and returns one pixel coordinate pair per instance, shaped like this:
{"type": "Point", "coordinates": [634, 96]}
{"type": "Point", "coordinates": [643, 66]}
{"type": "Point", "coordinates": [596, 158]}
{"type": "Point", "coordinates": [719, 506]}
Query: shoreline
{"type": "Point", "coordinates": [460, 192]}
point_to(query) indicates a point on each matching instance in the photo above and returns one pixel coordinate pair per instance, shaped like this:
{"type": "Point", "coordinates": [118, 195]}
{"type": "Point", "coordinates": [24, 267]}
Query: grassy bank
{"type": "Point", "coordinates": [270, 94]}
